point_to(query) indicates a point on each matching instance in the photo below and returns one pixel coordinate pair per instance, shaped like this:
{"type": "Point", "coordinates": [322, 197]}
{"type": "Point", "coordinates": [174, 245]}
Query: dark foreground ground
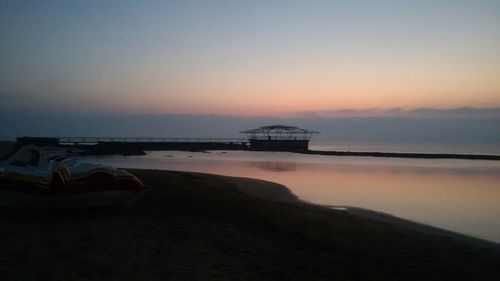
{"type": "Point", "coordinates": [203, 227]}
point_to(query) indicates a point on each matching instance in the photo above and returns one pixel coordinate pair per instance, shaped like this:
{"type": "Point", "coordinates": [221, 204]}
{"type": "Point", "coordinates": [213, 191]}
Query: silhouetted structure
{"type": "Point", "coordinates": [279, 137]}
{"type": "Point", "coordinates": [38, 141]}
{"type": "Point", "coordinates": [136, 145]}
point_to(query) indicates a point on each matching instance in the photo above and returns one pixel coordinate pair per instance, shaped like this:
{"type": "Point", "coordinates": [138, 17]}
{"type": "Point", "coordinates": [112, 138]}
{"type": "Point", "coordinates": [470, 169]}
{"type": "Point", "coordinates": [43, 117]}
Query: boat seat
{"type": "Point", "coordinates": [59, 181]}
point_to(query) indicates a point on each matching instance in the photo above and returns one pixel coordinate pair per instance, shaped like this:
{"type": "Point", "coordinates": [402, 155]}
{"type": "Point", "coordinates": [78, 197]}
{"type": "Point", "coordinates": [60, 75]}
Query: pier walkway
{"type": "Point", "coordinates": [133, 145]}
{"type": "Point", "coordinates": [142, 140]}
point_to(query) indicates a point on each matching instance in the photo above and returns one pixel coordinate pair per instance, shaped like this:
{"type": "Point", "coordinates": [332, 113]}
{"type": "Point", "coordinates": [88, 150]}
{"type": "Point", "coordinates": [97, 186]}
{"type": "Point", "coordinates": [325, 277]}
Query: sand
{"type": "Point", "coordinates": [192, 226]}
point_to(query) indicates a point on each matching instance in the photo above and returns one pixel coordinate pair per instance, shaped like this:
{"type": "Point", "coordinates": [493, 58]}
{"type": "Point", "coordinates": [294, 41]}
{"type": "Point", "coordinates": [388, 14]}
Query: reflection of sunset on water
{"type": "Point", "coordinates": [275, 166]}
{"type": "Point", "coordinates": [456, 195]}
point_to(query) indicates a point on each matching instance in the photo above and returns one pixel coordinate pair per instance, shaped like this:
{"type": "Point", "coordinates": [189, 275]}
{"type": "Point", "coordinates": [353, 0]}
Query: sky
{"type": "Point", "coordinates": [247, 58]}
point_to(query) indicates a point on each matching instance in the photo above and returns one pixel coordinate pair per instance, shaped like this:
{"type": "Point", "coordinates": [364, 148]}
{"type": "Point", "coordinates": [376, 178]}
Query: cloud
{"type": "Point", "coordinates": [426, 113]}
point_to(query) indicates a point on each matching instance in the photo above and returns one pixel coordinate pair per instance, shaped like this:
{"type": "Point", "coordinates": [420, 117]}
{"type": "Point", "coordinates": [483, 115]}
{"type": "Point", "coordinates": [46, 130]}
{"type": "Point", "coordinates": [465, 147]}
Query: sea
{"type": "Point", "coordinates": [457, 195]}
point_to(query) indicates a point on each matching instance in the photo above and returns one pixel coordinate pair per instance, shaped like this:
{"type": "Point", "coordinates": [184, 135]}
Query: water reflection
{"type": "Point", "coordinates": [275, 166]}
{"type": "Point", "coordinates": [458, 195]}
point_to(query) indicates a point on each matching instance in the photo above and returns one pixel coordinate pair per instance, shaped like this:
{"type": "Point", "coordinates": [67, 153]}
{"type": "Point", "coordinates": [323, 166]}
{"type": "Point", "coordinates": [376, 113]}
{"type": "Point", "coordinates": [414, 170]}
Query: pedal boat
{"type": "Point", "coordinates": [33, 177]}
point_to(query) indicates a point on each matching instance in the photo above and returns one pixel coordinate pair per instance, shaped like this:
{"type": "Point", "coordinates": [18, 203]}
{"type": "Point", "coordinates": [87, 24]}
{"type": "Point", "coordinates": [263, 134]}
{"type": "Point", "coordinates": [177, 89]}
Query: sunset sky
{"type": "Point", "coordinates": [248, 57]}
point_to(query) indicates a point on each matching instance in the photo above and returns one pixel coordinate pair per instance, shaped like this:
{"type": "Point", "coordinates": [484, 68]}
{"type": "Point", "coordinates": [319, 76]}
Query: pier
{"type": "Point", "coordinates": [142, 140]}
{"type": "Point", "coordinates": [137, 145]}
{"type": "Point", "coordinates": [279, 138]}
{"type": "Point", "coordinates": [268, 138]}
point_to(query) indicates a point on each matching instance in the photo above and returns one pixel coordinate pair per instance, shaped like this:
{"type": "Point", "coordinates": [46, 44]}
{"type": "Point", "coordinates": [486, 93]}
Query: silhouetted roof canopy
{"type": "Point", "coordinates": [279, 129]}
{"type": "Point", "coordinates": [279, 132]}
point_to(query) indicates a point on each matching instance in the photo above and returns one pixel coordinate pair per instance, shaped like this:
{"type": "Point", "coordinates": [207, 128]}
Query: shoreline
{"type": "Point", "coordinates": [195, 226]}
{"type": "Point", "coordinates": [406, 155]}
{"type": "Point", "coordinates": [420, 227]}
{"type": "Point", "coordinates": [276, 191]}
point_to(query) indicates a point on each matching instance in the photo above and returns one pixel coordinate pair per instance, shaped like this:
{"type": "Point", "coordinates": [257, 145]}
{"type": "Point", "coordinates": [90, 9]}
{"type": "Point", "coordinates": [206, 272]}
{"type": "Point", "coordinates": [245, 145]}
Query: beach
{"type": "Point", "coordinates": [193, 226]}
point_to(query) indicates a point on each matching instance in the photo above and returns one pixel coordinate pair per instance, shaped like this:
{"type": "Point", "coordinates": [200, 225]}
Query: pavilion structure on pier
{"type": "Point", "coordinates": [279, 138]}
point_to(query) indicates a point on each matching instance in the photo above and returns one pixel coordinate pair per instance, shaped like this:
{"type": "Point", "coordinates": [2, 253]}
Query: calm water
{"type": "Point", "coordinates": [458, 195]}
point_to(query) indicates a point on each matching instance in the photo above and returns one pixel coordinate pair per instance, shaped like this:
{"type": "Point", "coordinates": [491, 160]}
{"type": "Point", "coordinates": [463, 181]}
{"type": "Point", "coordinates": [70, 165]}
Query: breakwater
{"type": "Point", "coordinates": [406, 155]}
